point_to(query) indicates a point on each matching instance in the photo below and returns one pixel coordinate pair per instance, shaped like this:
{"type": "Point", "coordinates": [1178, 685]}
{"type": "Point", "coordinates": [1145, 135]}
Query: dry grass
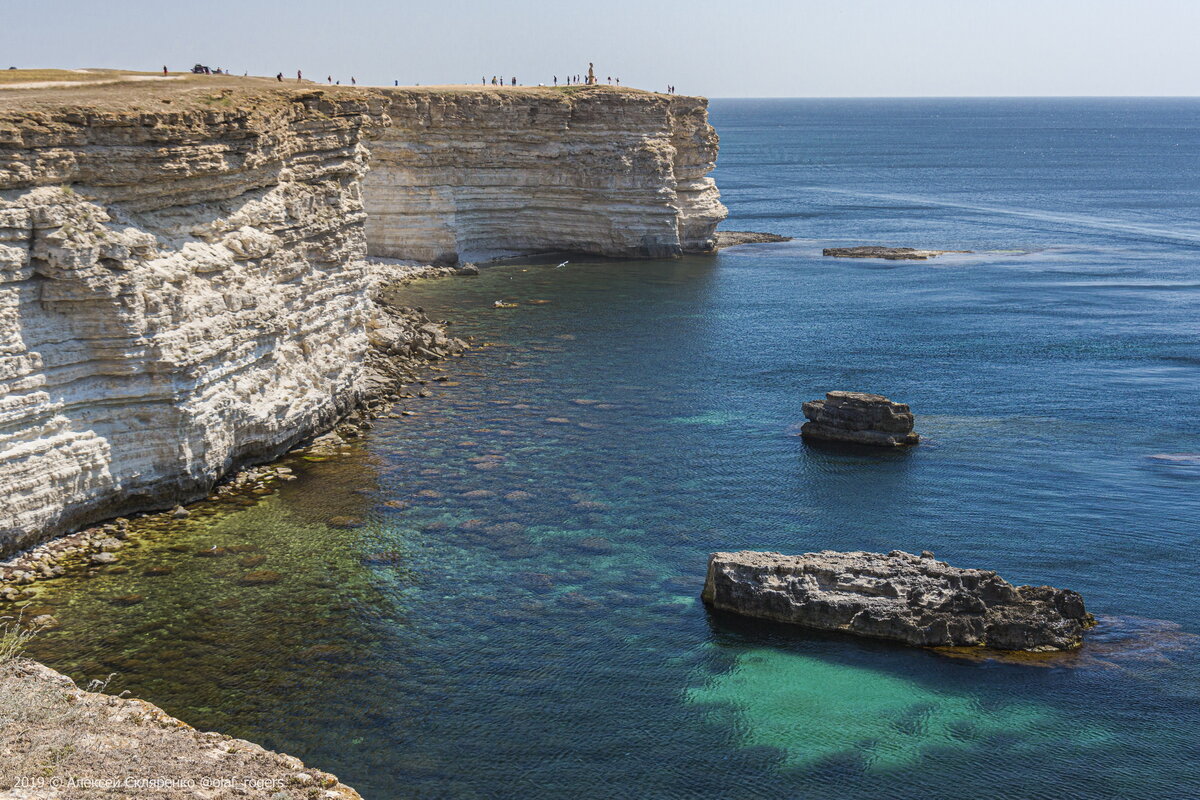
{"type": "Point", "coordinates": [56, 75]}
{"type": "Point", "coordinates": [13, 636]}
{"type": "Point", "coordinates": [53, 734]}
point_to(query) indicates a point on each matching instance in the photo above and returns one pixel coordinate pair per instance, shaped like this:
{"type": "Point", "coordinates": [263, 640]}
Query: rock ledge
{"type": "Point", "coordinates": [899, 596]}
{"type": "Point", "coordinates": [887, 253]}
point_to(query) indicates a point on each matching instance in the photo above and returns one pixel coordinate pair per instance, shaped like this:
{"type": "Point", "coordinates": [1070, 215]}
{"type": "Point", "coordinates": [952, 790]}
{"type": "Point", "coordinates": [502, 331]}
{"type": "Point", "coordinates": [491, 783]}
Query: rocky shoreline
{"type": "Point", "coordinates": [57, 740]}
{"type": "Point", "coordinates": [405, 344]}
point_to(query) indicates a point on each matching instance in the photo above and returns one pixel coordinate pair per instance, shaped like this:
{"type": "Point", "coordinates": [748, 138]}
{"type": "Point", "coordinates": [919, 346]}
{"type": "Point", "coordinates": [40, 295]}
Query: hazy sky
{"type": "Point", "coordinates": [720, 48]}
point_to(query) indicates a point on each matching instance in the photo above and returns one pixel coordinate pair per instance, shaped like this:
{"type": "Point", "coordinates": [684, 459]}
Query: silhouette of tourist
{"type": "Point", "coordinates": [164, 69]}
{"type": "Point", "coordinates": [352, 81]}
{"type": "Point", "coordinates": [299, 77]}
{"type": "Point", "coordinates": [514, 83]}
{"type": "Point", "coordinates": [279, 77]}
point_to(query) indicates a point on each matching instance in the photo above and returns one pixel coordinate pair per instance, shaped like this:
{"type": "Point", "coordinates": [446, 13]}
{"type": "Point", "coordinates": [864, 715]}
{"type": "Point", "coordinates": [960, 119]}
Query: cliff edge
{"type": "Point", "coordinates": [183, 274]}
{"type": "Point", "coordinates": [478, 174]}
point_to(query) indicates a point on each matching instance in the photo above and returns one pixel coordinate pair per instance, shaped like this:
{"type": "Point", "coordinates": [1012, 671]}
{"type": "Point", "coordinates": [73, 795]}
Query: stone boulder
{"type": "Point", "coordinates": [859, 418]}
{"type": "Point", "coordinates": [899, 596]}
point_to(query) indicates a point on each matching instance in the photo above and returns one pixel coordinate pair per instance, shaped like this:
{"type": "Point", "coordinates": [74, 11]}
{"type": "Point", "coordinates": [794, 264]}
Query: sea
{"type": "Point", "coordinates": [518, 614]}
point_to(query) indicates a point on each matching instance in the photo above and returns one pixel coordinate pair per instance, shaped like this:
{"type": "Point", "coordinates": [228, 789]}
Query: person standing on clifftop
{"type": "Point", "coordinates": [514, 83]}
{"type": "Point", "coordinates": [352, 81]}
{"type": "Point", "coordinates": [279, 77]}
{"type": "Point", "coordinates": [299, 77]}
{"type": "Point", "coordinates": [164, 69]}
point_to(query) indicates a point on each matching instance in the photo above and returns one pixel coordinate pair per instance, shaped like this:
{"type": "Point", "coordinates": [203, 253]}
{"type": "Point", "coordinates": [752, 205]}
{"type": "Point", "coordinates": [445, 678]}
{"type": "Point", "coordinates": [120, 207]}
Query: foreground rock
{"type": "Point", "coordinates": [899, 596]}
{"type": "Point", "coordinates": [52, 732]}
{"type": "Point", "coordinates": [735, 238]}
{"type": "Point", "coordinates": [859, 418]}
{"type": "Point", "coordinates": [888, 253]}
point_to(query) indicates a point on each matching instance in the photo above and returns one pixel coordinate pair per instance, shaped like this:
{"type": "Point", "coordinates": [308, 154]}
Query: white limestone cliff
{"type": "Point", "coordinates": [196, 300]}
{"type": "Point", "coordinates": [473, 175]}
{"type": "Point", "coordinates": [183, 287]}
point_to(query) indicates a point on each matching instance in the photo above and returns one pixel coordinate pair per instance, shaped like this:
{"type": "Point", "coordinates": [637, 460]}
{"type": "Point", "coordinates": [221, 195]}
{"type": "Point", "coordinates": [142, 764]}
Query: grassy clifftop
{"type": "Point", "coordinates": [141, 92]}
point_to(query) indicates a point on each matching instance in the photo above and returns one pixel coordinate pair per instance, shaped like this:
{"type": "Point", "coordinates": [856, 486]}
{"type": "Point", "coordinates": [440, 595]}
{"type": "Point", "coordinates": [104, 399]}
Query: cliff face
{"type": "Point", "coordinates": [178, 292]}
{"type": "Point", "coordinates": [182, 278]}
{"type": "Point", "coordinates": [473, 175]}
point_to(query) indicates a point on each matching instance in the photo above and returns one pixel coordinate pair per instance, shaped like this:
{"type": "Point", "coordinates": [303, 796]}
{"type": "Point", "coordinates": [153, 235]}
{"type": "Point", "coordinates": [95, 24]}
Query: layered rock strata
{"type": "Point", "coordinates": [475, 175]}
{"type": "Point", "coordinates": [859, 418]}
{"type": "Point", "coordinates": [51, 731]}
{"type": "Point", "coordinates": [912, 599]}
{"type": "Point", "coordinates": [183, 276]}
{"type": "Point", "coordinates": [179, 292]}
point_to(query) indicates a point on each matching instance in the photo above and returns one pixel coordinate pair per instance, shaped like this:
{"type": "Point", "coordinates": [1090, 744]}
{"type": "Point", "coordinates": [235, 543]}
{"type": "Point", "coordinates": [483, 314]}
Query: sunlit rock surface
{"type": "Point", "coordinates": [183, 284]}
{"type": "Point", "coordinates": [474, 175]}
{"type": "Point", "coordinates": [912, 599]}
{"type": "Point", "coordinates": [109, 746]}
{"type": "Point", "coordinates": [179, 291]}
{"type": "Point", "coordinates": [859, 418]}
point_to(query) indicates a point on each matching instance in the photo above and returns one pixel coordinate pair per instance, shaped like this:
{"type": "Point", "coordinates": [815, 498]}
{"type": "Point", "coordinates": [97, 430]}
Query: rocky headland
{"type": "Point", "coordinates": [185, 286]}
{"type": "Point", "coordinates": [199, 277]}
{"type": "Point", "coordinates": [477, 174]}
{"type": "Point", "coordinates": [907, 598]}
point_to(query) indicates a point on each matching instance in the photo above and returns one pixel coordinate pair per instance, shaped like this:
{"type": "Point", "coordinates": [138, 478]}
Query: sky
{"type": "Point", "coordinates": [728, 48]}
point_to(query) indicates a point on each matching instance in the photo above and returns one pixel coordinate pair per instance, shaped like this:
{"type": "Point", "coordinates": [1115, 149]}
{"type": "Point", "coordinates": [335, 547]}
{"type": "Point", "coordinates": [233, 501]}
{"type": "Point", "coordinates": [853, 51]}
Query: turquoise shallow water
{"type": "Point", "coordinates": [528, 626]}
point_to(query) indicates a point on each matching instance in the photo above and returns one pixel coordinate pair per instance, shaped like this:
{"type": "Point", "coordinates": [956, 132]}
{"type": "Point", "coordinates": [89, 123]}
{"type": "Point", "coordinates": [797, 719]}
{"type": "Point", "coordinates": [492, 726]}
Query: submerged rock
{"type": "Point", "coordinates": [260, 577]}
{"type": "Point", "coordinates": [899, 596]}
{"type": "Point", "coordinates": [859, 418]}
{"type": "Point", "coordinates": [888, 253]}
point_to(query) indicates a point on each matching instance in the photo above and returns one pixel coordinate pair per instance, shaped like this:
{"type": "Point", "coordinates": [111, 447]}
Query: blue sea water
{"type": "Point", "coordinates": [529, 624]}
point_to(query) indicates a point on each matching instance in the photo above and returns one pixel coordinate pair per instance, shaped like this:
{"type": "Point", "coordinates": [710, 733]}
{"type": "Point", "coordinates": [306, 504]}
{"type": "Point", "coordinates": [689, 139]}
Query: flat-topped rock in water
{"type": "Point", "coordinates": [735, 238]}
{"type": "Point", "coordinates": [859, 418]}
{"type": "Point", "coordinates": [888, 253]}
{"type": "Point", "coordinates": [899, 596]}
